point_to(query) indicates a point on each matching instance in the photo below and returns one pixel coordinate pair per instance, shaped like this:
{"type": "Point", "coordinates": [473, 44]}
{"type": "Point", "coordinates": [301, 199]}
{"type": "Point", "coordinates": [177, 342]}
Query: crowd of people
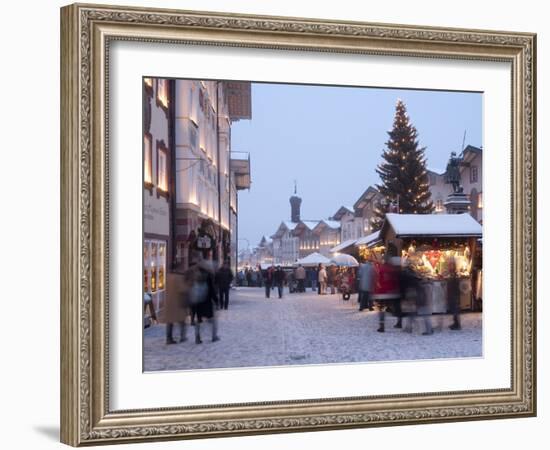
{"type": "Point", "coordinates": [197, 294]}
{"type": "Point", "coordinates": [391, 284]}
{"type": "Point", "coordinates": [385, 286]}
{"type": "Point", "coordinates": [320, 279]}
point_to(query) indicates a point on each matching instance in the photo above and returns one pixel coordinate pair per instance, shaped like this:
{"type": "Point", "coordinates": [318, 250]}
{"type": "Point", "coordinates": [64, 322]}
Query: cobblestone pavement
{"type": "Point", "coordinates": [306, 329]}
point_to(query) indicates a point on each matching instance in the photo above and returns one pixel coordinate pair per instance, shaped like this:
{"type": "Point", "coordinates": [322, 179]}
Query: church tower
{"type": "Point", "coordinates": [295, 203]}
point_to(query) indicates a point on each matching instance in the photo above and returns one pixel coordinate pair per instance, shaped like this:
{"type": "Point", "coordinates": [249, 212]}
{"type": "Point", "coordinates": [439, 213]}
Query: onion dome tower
{"type": "Point", "coordinates": [295, 203]}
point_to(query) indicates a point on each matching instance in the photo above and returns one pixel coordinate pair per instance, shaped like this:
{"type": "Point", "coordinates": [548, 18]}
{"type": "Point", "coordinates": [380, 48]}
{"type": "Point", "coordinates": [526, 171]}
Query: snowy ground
{"type": "Point", "coordinates": [306, 329]}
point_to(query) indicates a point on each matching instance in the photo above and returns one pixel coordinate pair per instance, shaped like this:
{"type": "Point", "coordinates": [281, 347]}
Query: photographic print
{"type": "Point", "coordinates": [294, 224]}
{"type": "Point", "coordinates": [310, 211]}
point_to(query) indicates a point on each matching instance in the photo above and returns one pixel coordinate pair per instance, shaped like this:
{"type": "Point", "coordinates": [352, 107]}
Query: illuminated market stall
{"type": "Point", "coordinates": [429, 243]}
{"type": "Point", "coordinates": [371, 247]}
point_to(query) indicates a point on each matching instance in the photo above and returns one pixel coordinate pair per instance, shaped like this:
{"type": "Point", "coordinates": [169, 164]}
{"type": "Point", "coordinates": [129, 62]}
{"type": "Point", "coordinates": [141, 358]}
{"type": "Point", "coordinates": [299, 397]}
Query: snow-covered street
{"type": "Point", "coordinates": [305, 329]}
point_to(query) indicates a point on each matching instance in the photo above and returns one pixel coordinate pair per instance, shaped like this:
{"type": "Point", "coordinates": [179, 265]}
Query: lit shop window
{"type": "Point", "coordinates": [162, 92]}
{"type": "Point", "coordinates": [145, 280]}
{"type": "Point", "coordinates": [439, 205]}
{"type": "Point", "coordinates": [153, 279]}
{"type": "Point", "coordinates": [154, 265]}
{"type": "Point", "coordinates": [148, 159]}
{"type": "Point", "coordinates": [480, 200]}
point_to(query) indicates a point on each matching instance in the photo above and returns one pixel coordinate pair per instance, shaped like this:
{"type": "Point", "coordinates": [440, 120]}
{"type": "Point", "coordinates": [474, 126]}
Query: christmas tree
{"type": "Point", "coordinates": [405, 184]}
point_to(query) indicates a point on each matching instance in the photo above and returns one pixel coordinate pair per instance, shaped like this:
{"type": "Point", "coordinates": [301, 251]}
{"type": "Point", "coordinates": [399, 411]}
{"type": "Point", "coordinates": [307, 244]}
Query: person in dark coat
{"type": "Point", "coordinates": [202, 297]}
{"type": "Point", "coordinates": [453, 295]}
{"type": "Point", "coordinates": [224, 278]}
{"type": "Point", "coordinates": [267, 275]}
{"type": "Point", "coordinates": [279, 277]}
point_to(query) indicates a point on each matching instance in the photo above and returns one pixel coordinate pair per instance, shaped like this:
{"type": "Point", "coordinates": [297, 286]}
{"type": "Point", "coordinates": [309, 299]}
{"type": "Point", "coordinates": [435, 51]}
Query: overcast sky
{"type": "Point", "coordinates": [330, 140]}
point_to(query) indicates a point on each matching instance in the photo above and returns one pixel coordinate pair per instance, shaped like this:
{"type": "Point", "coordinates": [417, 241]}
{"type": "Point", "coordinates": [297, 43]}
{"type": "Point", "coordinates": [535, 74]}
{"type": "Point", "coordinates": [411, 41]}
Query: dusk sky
{"type": "Point", "coordinates": [330, 140]}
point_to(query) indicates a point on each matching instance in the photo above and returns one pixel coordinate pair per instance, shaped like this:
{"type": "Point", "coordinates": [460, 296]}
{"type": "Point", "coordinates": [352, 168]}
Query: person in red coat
{"type": "Point", "coordinates": [386, 287]}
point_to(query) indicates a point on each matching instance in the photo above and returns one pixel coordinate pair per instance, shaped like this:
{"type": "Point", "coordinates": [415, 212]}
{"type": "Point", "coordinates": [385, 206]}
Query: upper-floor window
{"type": "Point", "coordinates": [162, 93]}
{"type": "Point", "coordinates": [194, 116]}
{"type": "Point", "coordinates": [432, 179]}
{"type": "Point", "coordinates": [148, 160]}
{"type": "Point", "coordinates": [473, 174]}
{"type": "Point", "coordinates": [162, 168]}
{"type": "Point", "coordinates": [148, 85]}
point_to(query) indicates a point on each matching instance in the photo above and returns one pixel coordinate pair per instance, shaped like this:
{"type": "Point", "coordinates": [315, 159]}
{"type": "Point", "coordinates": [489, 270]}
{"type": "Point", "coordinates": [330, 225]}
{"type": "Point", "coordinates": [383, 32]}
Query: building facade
{"type": "Point", "coordinates": [206, 179]}
{"type": "Point", "coordinates": [364, 210]}
{"type": "Point", "coordinates": [285, 244]}
{"type": "Point", "coordinates": [157, 182]}
{"type": "Point", "coordinates": [191, 179]}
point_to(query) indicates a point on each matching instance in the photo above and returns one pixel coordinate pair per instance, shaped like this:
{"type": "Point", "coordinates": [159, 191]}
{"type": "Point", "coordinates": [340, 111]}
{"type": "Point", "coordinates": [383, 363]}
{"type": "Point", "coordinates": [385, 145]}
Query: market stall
{"type": "Point", "coordinates": [437, 247]}
{"type": "Point", "coordinates": [371, 247]}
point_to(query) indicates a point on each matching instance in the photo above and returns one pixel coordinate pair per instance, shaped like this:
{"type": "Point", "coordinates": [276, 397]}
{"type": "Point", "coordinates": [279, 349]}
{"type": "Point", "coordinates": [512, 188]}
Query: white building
{"type": "Point", "coordinates": [285, 244]}
{"type": "Point", "coordinates": [206, 177]}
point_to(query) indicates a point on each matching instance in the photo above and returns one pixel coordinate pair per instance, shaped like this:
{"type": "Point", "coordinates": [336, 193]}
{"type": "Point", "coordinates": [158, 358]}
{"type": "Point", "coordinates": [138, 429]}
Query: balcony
{"type": "Point", "coordinates": [240, 169]}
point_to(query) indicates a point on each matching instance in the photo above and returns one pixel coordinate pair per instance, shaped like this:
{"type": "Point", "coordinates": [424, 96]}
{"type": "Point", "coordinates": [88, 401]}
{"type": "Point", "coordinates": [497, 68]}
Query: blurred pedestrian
{"type": "Point", "coordinates": [413, 287]}
{"type": "Point", "coordinates": [312, 274]}
{"type": "Point", "coordinates": [300, 276]}
{"type": "Point", "coordinates": [202, 297]}
{"type": "Point", "coordinates": [453, 295]}
{"type": "Point", "coordinates": [331, 278]}
{"type": "Point", "coordinates": [387, 288]}
{"type": "Point", "coordinates": [366, 284]}
{"type": "Point", "coordinates": [224, 278]}
{"type": "Point", "coordinates": [148, 304]}
{"type": "Point", "coordinates": [279, 278]}
{"type": "Point", "coordinates": [322, 278]}
{"type": "Point", "coordinates": [268, 280]}
{"type": "Point", "coordinates": [175, 308]}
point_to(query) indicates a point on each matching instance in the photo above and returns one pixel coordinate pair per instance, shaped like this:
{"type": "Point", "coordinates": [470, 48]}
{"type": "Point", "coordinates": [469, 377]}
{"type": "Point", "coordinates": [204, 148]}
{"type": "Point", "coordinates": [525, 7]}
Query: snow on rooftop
{"type": "Point", "coordinates": [369, 239]}
{"type": "Point", "coordinates": [311, 224]}
{"type": "Point", "coordinates": [343, 245]}
{"type": "Point", "coordinates": [434, 224]}
{"type": "Point", "coordinates": [290, 225]}
{"type": "Point", "coordinates": [332, 223]}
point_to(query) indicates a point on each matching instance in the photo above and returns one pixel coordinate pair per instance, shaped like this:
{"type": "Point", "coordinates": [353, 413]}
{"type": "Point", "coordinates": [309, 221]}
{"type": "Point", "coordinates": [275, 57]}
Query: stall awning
{"type": "Point", "coordinates": [314, 259]}
{"type": "Point", "coordinates": [344, 245]}
{"type": "Point", "coordinates": [440, 225]}
{"type": "Point", "coordinates": [369, 240]}
{"type": "Point", "coordinates": [345, 261]}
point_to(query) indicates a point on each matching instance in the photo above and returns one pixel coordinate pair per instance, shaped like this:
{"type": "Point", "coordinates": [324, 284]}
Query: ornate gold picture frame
{"type": "Point", "coordinates": [87, 32]}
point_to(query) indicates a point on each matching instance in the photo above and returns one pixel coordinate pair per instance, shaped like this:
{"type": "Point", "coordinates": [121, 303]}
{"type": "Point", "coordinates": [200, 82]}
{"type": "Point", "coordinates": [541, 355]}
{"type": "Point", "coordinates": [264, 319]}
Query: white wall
{"type": "Point", "coordinates": [30, 355]}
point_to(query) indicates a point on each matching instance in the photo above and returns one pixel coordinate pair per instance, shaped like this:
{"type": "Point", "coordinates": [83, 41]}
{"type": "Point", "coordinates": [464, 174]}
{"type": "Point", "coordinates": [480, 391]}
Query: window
{"type": "Point", "coordinates": [432, 178]}
{"type": "Point", "coordinates": [194, 105]}
{"type": "Point", "coordinates": [162, 168]}
{"type": "Point", "coordinates": [162, 93]}
{"type": "Point", "coordinates": [439, 205]}
{"type": "Point", "coordinates": [480, 200]}
{"type": "Point", "coordinates": [473, 174]}
{"type": "Point", "coordinates": [148, 160]}
{"type": "Point", "coordinates": [148, 85]}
